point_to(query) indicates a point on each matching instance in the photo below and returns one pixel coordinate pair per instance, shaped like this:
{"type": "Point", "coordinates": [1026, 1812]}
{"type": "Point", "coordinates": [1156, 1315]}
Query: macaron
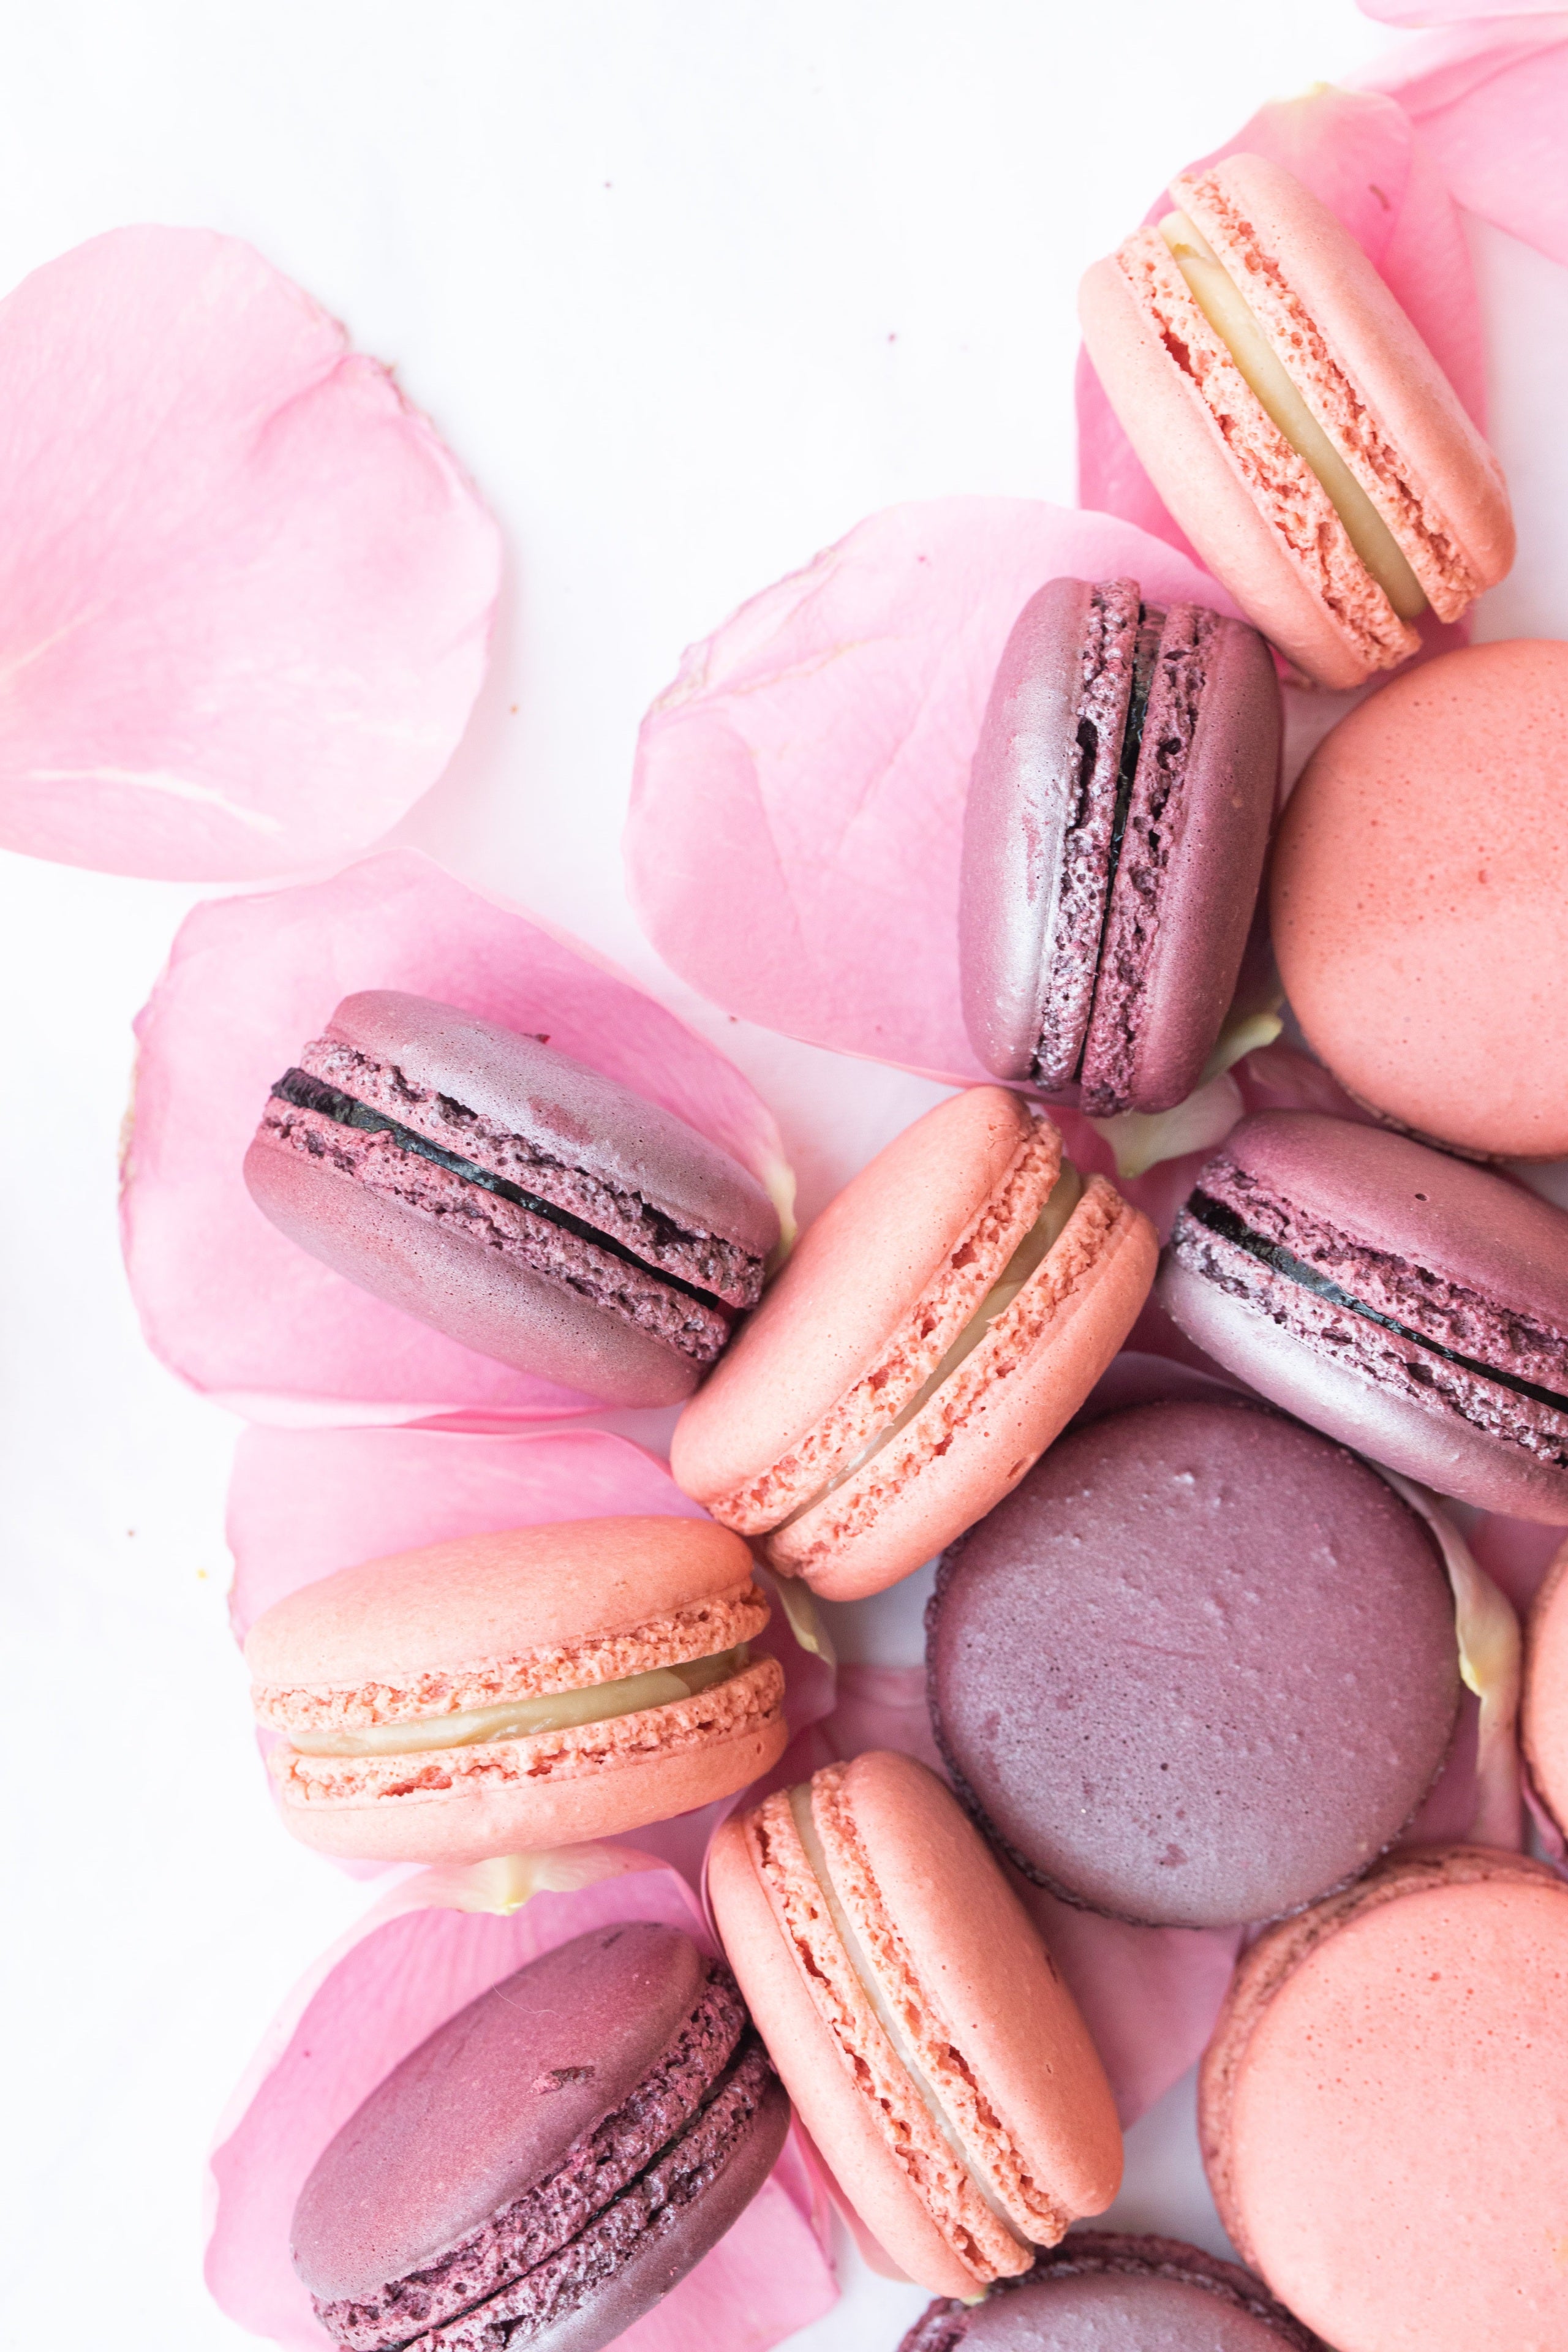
{"type": "Point", "coordinates": [1381, 2108]}
{"type": "Point", "coordinates": [1100, 2291]}
{"type": "Point", "coordinates": [935, 2056]}
{"type": "Point", "coordinates": [1407, 1303]}
{"type": "Point", "coordinates": [528, 1207]}
{"type": "Point", "coordinates": [933, 1329]}
{"type": "Point", "coordinates": [1201, 1667]}
{"type": "Point", "coordinates": [551, 2161]}
{"type": "Point", "coordinates": [1294, 422]}
{"type": "Point", "coordinates": [1113, 838]}
{"type": "Point", "coordinates": [1544, 1713]}
{"type": "Point", "coordinates": [510, 1691]}
{"type": "Point", "coordinates": [1416, 897]}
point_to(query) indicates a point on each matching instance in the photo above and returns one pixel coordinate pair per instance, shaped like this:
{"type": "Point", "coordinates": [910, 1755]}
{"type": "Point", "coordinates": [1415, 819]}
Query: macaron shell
{"type": "Point", "coordinates": [1544, 1721]}
{"type": "Point", "coordinates": [931, 1483]}
{"type": "Point", "coordinates": [1417, 909]}
{"type": "Point", "coordinates": [485, 1299]}
{"type": "Point", "coordinates": [820, 2084]}
{"type": "Point", "coordinates": [855, 1274]}
{"type": "Point", "coordinates": [1384, 2116]}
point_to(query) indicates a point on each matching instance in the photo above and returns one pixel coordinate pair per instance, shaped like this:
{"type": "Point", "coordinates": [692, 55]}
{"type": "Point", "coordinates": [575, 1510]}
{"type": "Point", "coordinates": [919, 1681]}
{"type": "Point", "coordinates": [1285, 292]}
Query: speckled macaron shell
{"type": "Point", "coordinates": [1382, 2108]}
{"type": "Point", "coordinates": [1417, 891]}
{"type": "Point", "coordinates": [1251, 505]}
{"type": "Point", "coordinates": [1198, 1669]}
{"type": "Point", "coordinates": [1104, 2291]}
{"type": "Point", "coordinates": [490, 1300]}
{"type": "Point", "coordinates": [1450, 1250]}
{"type": "Point", "coordinates": [938, 1211]}
{"type": "Point", "coordinates": [1544, 1717]}
{"type": "Point", "coordinates": [972, 1965]}
{"type": "Point", "coordinates": [472, 1624]}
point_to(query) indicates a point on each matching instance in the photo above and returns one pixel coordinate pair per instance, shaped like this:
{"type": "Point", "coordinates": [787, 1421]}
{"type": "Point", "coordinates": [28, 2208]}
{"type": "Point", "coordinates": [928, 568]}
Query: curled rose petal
{"type": "Point", "coordinates": [797, 810]}
{"type": "Point", "coordinates": [247, 590]}
{"type": "Point", "coordinates": [432, 1944]}
{"type": "Point", "coordinates": [1488, 102]}
{"type": "Point", "coordinates": [226, 1301]}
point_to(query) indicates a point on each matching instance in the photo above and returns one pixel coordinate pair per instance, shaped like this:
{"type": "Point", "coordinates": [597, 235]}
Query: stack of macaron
{"type": "Point", "coordinates": [1196, 1662]}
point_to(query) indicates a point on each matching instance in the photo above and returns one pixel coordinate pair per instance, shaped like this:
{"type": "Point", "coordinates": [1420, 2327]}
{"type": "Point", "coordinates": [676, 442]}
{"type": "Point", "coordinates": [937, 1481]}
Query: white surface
{"type": "Point", "coordinates": [690, 285]}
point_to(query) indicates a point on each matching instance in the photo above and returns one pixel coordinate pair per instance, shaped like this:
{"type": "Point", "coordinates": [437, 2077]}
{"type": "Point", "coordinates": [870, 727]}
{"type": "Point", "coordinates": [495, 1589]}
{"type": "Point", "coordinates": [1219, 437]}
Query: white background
{"type": "Point", "coordinates": [691, 286]}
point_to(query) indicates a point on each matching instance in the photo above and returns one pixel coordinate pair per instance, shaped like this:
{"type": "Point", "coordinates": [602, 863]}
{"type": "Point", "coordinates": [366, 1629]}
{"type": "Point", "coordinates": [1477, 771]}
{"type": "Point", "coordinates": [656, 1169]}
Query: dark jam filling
{"type": "Point", "coordinates": [1224, 1221]}
{"type": "Point", "coordinates": [1145, 652]}
{"type": "Point", "coordinates": [306, 1093]}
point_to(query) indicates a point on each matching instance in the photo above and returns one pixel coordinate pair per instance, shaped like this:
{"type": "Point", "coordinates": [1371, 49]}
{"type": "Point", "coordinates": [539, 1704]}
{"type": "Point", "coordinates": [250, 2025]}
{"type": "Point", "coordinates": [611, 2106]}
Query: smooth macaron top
{"type": "Point", "coordinates": [854, 1276]}
{"type": "Point", "coordinates": [1198, 1668]}
{"type": "Point", "coordinates": [492, 1597]}
{"type": "Point", "coordinates": [1417, 891]}
{"type": "Point", "coordinates": [1383, 2108]}
{"type": "Point", "coordinates": [1544, 1717]}
{"type": "Point", "coordinates": [490, 2106]}
{"type": "Point", "coordinates": [565, 1109]}
{"type": "Point", "coordinates": [1103, 2290]}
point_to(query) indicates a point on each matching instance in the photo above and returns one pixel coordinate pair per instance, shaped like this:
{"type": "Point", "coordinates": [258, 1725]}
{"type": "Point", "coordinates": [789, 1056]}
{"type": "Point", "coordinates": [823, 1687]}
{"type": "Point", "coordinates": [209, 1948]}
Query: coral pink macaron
{"type": "Point", "coordinates": [517, 1690]}
{"type": "Point", "coordinates": [936, 1326]}
{"type": "Point", "coordinates": [1544, 1721]}
{"type": "Point", "coordinates": [933, 2051]}
{"type": "Point", "coordinates": [1294, 422]}
{"type": "Point", "coordinates": [1383, 2108]}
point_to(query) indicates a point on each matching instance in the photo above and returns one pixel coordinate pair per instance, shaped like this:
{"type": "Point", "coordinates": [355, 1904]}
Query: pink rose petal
{"type": "Point", "coordinates": [247, 590]}
{"type": "Point", "coordinates": [1488, 102]}
{"type": "Point", "coordinates": [225, 1300]}
{"type": "Point", "coordinates": [433, 1943]}
{"type": "Point", "coordinates": [797, 810]}
{"type": "Point", "coordinates": [1356, 152]}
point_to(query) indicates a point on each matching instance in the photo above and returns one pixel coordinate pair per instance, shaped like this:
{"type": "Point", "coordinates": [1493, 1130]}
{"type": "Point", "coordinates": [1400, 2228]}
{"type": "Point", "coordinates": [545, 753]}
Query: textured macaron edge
{"type": "Point", "coordinates": [1284, 1949]}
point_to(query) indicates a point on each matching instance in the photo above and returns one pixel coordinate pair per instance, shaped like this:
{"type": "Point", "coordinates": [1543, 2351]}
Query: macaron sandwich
{"type": "Point", "coordinates": [1103, 2290]}
{"type": "Point", "coordinates": [1117, 814]}
{"type": "Point", "coordinates": [935, 2056]}
{"type": "Point", "coordinates": [530, 1688]}
{"type": "Point", "coordinates": [935, 1327]}
{"type": "Point", "coordinates": [1408, 1303]}
{"type": "Point", "coordinates": [1294, 422]}
{"type": "Point", "coordinates": [551, 2161]}
{"type": "Point", "coordinates": [523, 1204]}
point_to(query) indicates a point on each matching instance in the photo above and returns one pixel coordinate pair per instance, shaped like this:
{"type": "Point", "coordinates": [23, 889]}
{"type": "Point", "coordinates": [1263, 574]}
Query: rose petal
{"type": "Point", "coordinates": [247, 590]}
{"type": "Point", "coordinates": [1356, 152]}
{"type": "Point", "coordinates": [225, 1299]}
{"type": "Point", "coordinates": [437, 1940]}
{"type": "Point", "coordinates": [1452, 12]}
{"type": "Point", "coordinates": [1488, 102]}
{"type": "Point", "coordinates": [797, 809]}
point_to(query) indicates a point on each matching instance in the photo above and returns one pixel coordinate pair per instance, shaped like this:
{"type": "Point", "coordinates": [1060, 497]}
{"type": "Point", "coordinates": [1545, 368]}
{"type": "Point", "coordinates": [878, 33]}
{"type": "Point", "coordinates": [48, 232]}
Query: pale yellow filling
{"type": "Point", "coordinates": [519, 1718]}
{"type": "Point", "coordinates": [1235, 324]}
{"type": "Point", "coordinates": [1030, 1253]}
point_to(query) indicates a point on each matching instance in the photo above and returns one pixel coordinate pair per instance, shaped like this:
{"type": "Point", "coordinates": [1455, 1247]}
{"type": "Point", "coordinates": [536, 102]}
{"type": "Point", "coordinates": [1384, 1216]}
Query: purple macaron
{"type": "Point", "coordinates": [1100, 2290]}
{"type": "Point", "coordinates": [1198, 1668]}
{"type": "Point", "coordinates": [1113, 842]}
{"type": "Point", "coordinates": [533, 1209]}
{"type": "Point", "coordinates": [1414, 1306]}
{"type": "Point", "coordinates": [551, 2161]}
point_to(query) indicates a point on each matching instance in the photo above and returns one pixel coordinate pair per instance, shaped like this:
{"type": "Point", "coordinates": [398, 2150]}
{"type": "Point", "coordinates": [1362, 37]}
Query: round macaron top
{"type": "Point", "coordinates": [449, 1606]}
{"type": "Point", "coordinates": [1418, 904]}
{"type": "Point", "coordinates": [1544, 1720]}
{"type": "Point", "coordinates": [1199, 1667]}
{"type": "Point", "coordinates": [1100, 2291]}
{"type": "Point", "coordinates": [855, 1274]}
{"type": "Point", "coordinates": [490, 2104]}
{"type": "Point", "coordinates": [574, 1114]}
{"type": "Point", "coordinates": [1383, 2108]}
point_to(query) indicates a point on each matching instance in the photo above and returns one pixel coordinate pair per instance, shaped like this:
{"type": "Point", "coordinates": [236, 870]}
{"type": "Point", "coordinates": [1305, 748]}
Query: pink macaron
{"type": "Point", "coordinates": [931, 2049]}
{"type": "Point", "coordinates": [1419, 881]}
{"type": "Point", "coordinates": [936, 1326]}
{"type": "Point", "coordinates": [1383, 2105]}
{"type": "Point", "coordinates": [1543, 1717]}
{"type": "Point", "coordinates": [524, 1689]}
{"type": "Point", "coordinates": [1294, 422]}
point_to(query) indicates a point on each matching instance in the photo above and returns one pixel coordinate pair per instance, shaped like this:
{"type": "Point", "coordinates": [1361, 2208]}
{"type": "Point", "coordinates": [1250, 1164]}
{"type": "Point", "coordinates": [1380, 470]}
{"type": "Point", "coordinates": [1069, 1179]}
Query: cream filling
{"type": "Point", "coordinates": [887, 2017]}
{"type": "Point", "coordinates": [519, 1718]}
{"type": "Point", "coordinates": [1026, 1260]}
{"type": "Point", "coordinates": [1235, 321]}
